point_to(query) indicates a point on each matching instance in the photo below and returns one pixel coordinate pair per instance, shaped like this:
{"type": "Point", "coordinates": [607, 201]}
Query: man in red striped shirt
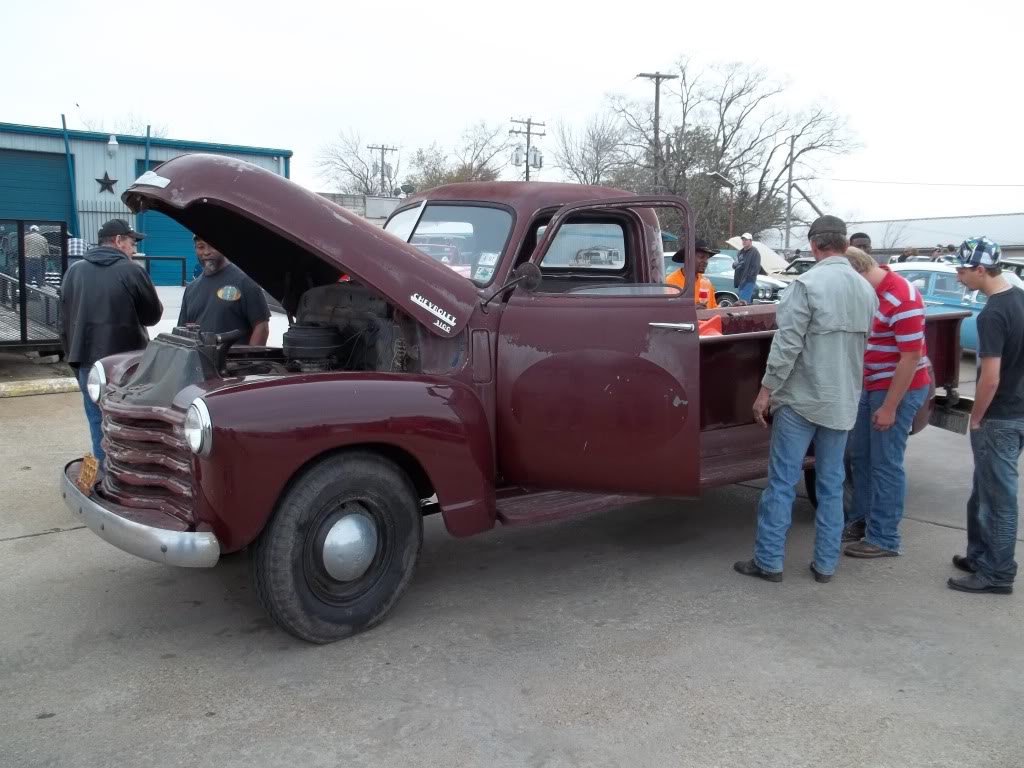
{"type": "Point", "coordinates": [896, 383]}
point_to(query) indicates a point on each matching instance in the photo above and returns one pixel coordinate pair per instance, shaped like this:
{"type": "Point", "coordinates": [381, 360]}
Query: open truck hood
{"type": "Point", "coordinates": [289, 239]}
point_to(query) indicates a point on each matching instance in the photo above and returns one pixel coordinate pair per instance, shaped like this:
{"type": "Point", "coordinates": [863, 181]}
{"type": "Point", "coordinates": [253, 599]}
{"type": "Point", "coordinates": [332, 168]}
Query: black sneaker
{"type": "Point", "coordinates": [750, 568]}
{"type": "Point", "coordinates": [819, 577]}
{"type": "Point", "coordinates": [855, 531]}
{"type": "Point", "coordinates": [976, 585]}
{"type": "Point", "coordinates": [964, 563]}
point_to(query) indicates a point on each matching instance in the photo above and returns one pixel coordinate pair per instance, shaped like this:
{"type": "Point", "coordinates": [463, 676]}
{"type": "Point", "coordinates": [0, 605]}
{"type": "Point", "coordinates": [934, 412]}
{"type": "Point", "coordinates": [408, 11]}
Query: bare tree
{"type": "Point", "coordinates": [727, 119]}
{"type": "Point", "coordinates": [894, 235]}
{"type": "Point", "coordinates": [128, 125]}
{"type": "Point", "coordinates": [352, 168]}
{"type": "Point", "coordinates": [483, 152]}
{"type": "Point", "coordinates": [480, 156]}
{"type": "Point", "coordinates": [590, 155]}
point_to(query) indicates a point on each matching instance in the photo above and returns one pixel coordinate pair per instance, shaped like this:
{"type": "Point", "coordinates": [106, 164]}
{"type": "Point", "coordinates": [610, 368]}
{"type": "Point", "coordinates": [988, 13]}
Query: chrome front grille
{"type": "Point", "coordinates": [148, 464]}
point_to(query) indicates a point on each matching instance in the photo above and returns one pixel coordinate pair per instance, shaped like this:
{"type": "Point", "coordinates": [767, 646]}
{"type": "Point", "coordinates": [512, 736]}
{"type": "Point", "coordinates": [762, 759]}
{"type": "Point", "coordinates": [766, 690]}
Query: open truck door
{"type": "Point", "coordinates": [598, 369]}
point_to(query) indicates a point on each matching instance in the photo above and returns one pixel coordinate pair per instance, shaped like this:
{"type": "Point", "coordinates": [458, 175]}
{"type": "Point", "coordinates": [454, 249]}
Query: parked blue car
{"type": "Point", "coordinates": [942, 292]}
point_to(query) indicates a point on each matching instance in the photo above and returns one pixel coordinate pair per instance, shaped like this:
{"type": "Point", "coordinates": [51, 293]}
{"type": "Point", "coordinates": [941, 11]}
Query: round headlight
{"type": "Point", "coordinates": [199, 428]}
{"type": "Point", "coordinates": [96, 382]}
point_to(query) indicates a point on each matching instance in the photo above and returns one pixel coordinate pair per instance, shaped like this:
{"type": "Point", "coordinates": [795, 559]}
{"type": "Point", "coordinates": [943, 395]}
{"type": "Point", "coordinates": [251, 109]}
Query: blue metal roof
{"type": "Point", "coordinates": [196, 146]}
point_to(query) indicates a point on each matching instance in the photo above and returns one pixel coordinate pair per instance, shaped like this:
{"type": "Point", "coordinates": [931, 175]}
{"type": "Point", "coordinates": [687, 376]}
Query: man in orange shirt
{"type": "Point", "coordinates": [704, 296]}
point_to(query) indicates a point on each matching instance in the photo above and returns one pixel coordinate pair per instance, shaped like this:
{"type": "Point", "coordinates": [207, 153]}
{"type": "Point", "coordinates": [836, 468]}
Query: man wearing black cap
{"type": "Point", "coordinates": [704, 296]}
{"type": "Point", "coordinates": [107, 300]}
{"type": "Point", "coordinates": [812, 385]}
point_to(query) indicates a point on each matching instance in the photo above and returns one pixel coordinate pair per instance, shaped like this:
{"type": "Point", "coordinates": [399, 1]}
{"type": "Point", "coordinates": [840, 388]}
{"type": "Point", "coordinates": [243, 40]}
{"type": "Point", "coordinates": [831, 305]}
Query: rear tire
{"type": "Point", "coordinates": [810, 481]}
{"type": "Point", "coordinates": [293, 580]}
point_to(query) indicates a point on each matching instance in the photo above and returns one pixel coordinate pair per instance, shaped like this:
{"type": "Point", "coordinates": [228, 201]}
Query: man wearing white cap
{"type": "Point", "coordinates": [37, 251]}
{"type": "Point", "coordinates": [746, 269]}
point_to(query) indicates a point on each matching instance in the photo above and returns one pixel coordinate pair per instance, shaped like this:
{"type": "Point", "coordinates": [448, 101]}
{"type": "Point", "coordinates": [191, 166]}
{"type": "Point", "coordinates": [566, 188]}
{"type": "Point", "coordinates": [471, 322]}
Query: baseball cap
{"type": "Point", "coordinates": [746, 236]}
{"type": "Point", "coordinates": [116, 227]}
{"type": "Point", "coordinates": [979, 252]}
{"type": "Point", "coordinates": [700, 245]}
{"type": "Point", "coordinates": [827, 225]}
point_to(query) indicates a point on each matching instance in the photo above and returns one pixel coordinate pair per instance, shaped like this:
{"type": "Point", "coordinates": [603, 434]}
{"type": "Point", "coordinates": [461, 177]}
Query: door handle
{"type": "Point", "coordinates": [687, 327]}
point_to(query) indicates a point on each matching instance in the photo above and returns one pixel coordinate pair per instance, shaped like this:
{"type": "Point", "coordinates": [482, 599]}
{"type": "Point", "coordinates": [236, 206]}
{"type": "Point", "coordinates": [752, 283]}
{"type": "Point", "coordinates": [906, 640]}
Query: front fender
{"type": "Point", "coordinates": [265, 430]}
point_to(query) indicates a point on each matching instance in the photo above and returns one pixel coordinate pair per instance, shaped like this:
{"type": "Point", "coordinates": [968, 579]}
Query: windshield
{"type": "Point", "coordinates": [718, 265]}
{"type": "Point", "coordinates": [799, 267]}
{"type": "Point", "coordinates": [469, 239]}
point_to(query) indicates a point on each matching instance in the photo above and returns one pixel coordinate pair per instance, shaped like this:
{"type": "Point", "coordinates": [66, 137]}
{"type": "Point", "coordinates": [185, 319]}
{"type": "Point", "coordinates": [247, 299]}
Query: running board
{"type": "Point", "coordinates": [546, 506]}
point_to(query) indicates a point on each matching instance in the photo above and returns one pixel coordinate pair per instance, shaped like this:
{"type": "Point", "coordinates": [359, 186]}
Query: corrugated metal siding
{"type": "Point", "coordinates": [34, 185]}
{"type": "Point", "coordinates": [166, 237]}
{"type": "Point", "coordinates": [93, 213]}
{"type": "Point", "coordinates": [354, 203]}
{"type": "Point", "coordinates": [1007, 229]}
{"type": "Point", "coordinates": [92, 161]}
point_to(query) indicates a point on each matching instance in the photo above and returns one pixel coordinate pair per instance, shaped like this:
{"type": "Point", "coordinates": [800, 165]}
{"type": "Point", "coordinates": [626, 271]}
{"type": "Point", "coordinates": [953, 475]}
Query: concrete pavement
{"type": "Point", "coordinates": [620, 639]}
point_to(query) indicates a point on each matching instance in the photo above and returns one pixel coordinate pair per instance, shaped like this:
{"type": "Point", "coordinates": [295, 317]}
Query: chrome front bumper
{"type": "Point", "coordinates": [112, 523]}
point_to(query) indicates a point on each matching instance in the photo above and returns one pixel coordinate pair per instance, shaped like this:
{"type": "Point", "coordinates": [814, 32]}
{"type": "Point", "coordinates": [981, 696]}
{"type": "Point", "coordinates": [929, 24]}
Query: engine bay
{"type": "Point", "coordinates": [338, 327]}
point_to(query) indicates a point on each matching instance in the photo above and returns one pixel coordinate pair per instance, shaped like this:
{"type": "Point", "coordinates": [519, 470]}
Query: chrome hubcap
{"type": "Point", "coordinates": [350, 547]}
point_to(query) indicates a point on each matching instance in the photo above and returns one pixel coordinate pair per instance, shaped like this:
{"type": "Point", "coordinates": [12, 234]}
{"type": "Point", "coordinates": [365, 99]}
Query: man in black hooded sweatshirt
{"type": "Point", "coordinates": [107, 300]}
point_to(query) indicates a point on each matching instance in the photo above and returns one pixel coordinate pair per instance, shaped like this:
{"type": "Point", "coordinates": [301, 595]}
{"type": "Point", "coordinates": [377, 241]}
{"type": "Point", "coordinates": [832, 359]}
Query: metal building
{"type": "Point", "coordinates": [77, 177]}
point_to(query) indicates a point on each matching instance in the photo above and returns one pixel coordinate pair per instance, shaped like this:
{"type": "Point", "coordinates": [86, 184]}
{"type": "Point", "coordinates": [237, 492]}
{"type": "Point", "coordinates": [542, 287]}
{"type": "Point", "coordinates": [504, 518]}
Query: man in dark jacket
{"type": "Point", "coordinates": [224, 299]}
{"type": "Point", "coordinates": [746, 269]}
{"type": "Point", "coordinates": [107, 300]}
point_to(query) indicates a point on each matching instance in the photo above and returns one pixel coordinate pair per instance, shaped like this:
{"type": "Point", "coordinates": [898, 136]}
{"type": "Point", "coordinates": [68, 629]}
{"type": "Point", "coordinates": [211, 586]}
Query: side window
{"type": "Point", "coordinates": [587, 247]}
{"type": "Point", "coordinates": [946, 286]}
{"type": "Point", "coordinates": [917, 279]}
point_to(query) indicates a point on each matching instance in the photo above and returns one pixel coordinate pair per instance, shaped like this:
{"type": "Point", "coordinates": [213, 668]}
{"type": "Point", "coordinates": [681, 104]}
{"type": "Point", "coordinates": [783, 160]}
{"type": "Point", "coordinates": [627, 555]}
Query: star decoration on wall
{"type": "Point", "coordinates": [106, 183]}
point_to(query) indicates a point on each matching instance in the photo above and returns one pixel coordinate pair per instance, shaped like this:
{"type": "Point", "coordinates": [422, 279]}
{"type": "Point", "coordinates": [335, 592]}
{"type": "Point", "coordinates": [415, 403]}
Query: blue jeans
{"type": "Point", "coordinates": [879, 481]}
{"type": "Point", "coordinates": [92, 414]}
{"type": "Point", "coordinates": [992, 508]}
{"type": "Point", "coordinates": [792, 435]}
{"type": "Point", "coordinates": [746, 292]}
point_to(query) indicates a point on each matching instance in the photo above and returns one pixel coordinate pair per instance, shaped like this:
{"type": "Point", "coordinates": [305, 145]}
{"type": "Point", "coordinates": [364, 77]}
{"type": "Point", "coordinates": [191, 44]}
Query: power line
{"type": "Point", "coordinates": [657, 77]}
{"type": "Point", "coordinates": [921, 183]}
{"type": "Point", "coordinates": [383, 149]}
{"type": "Point", "coordinates": [529, 133]}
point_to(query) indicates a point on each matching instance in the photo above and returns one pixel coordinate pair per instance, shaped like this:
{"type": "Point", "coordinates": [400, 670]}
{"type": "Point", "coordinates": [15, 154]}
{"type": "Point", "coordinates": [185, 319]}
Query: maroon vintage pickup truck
{"type": "Point", "coordinates": [523, 383]}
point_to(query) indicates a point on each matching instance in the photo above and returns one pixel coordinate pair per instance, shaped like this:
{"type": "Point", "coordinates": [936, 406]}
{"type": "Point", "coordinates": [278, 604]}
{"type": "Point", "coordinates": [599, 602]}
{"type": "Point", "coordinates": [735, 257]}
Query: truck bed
{"type": "Point", "coordinates": [733, 447]}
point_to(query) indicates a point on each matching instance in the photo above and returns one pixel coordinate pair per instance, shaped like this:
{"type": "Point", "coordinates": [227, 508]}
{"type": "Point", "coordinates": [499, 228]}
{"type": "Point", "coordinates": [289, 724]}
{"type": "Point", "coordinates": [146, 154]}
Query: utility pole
{"type": "Point", "coordinates": [657, 77]}
{"type": "Point", "coordinates": [529, 134]}
{"type": "Point", "coordinates": [383, 149]}
{"type": "Point", "coordinates": [789, 189]}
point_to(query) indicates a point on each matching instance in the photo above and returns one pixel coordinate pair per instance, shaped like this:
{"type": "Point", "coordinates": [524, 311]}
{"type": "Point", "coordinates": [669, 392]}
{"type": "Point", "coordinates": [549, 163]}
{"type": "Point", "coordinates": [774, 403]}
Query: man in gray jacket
{"type": "Point", "coordinates": [812, 386]}
{"type": "Point", "coordinates": [746, 269]}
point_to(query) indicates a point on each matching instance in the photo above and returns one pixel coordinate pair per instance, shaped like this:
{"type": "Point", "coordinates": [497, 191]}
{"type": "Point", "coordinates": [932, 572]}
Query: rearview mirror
{"type": "Point", "coordinates": [527, 275]}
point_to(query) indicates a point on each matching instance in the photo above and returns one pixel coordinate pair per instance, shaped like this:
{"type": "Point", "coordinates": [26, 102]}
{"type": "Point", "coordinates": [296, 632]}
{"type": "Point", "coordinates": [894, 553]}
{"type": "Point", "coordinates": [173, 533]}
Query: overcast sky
{"type": "Point", "coordinates": [932, 96]}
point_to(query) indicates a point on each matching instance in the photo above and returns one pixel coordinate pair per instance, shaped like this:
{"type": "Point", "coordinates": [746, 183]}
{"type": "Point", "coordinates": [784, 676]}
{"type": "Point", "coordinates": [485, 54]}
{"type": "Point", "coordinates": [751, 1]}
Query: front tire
{"type": "Point", "coordinates": [726, 299]}
{"type": "Point", "coordinates": [341, 548]}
